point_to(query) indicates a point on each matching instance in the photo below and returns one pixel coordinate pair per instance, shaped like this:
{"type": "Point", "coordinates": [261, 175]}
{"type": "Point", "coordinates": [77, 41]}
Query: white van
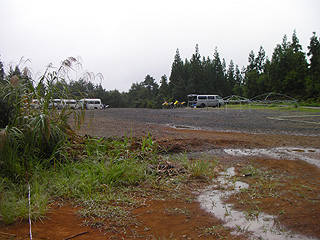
{"type": "Point", "coordinates": [56, 103]}
{"type": "Point", "coordinates": [70, 103]}
{"type": "Point", "coordinates": [202, 101]}
{"type": "Point", "coordinates": [90, 103]}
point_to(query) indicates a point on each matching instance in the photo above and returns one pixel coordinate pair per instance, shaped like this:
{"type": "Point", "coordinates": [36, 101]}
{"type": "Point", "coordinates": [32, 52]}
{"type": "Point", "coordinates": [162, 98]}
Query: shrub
{"type": "Point", "coordinates": [30, 134]}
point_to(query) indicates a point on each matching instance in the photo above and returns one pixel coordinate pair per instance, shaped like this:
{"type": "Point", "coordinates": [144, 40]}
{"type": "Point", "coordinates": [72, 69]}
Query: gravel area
{"type": "Point", "coordinates": [288, 188]}
{"type": "Point", "coordinates": [245, 120]}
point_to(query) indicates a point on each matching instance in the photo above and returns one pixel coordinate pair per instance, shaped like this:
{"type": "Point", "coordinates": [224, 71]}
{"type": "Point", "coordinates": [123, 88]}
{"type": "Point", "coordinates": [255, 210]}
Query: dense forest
{"type": "Point", "coordinates": [290, 71]}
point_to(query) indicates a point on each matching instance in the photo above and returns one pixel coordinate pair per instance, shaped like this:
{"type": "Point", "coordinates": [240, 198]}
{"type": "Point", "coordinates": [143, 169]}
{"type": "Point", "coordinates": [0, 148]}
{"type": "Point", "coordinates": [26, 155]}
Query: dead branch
{"type": "Point", "coordinates": [8, 234]}
{"type": "Point", "coordinates": [73, 236]}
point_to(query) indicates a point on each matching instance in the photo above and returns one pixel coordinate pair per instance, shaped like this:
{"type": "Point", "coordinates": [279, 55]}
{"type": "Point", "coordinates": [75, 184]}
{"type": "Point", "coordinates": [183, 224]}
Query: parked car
{"type": "Point", "coordinates": [202, 101]}
{"type": "Point", "coordinates": [90, 103]}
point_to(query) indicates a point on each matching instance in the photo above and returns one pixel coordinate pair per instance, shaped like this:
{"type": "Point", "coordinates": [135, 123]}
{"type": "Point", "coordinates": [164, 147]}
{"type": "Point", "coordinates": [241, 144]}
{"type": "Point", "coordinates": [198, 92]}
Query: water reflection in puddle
{"type": "Point", "coordinates": [309, 155]}
{"type": "Point", "coordinates": [262, 227]}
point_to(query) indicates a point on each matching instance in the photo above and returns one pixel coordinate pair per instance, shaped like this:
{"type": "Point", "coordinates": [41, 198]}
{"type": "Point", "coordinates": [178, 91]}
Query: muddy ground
{"type": "Point", "coordinates": [283, 145]}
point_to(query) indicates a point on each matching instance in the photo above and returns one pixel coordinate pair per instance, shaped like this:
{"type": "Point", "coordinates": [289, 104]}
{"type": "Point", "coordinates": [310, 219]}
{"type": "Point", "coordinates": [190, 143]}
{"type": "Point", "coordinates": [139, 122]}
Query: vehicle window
{"type": "Point", "coordinates": [97, 102]}
{"type": "Point", "coordinates": [211, 97]}
{"type": "Point", "coordinates": [202, 97]}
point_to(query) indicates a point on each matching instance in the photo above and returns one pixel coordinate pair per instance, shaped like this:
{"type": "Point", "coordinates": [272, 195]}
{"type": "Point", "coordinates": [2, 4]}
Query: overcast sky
{"type": "Point", "coordinates": [127, 39]}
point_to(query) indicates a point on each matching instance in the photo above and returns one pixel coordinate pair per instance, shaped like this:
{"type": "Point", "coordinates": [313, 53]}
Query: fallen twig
{"type": "Point", "coordinates": [8, 234]}
{"type": "Point", "coordinates": [73, 236]}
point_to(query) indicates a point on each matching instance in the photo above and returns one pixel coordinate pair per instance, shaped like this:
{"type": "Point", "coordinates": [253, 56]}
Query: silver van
{"type": "Point", "coordinates": [202, 101]}
{"type": "Point", "coordinates": [70, 103]}
{"type": "Point", "coordinates": [90, 103]}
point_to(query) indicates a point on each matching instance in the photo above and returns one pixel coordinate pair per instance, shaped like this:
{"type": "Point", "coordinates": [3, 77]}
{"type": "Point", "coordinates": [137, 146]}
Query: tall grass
{"type": "Point", "coordinates": [31, 134]}
{"type": "Point", "coordinates": [32, 138]}
{"type": "Point", "coordinates": [96, 178]}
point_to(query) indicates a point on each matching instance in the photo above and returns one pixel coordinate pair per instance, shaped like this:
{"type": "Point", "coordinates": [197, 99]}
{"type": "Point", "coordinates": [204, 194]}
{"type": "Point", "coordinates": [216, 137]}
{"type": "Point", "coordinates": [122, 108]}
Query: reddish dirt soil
{"type": "Point", "coordinates": [182, 217]}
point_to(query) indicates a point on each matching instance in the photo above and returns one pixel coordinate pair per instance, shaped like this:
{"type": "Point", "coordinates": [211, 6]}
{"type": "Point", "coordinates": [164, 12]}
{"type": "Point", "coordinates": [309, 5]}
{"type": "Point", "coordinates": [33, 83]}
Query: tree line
{"type": "Point", "coordinates": [290, 71]}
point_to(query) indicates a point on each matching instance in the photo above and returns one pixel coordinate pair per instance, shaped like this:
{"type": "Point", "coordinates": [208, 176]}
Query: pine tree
{"type": "Point", "coordinates": [176, 76]}
{"type": "Point", "coordinates": [208, 75]}
{"type": "Point", "coordinates": [288, 68]}
{"type": "Point", "coordinates": [1, 71]}
{"type": "Point", "coordinates": [231, 78]}
{"type": "Point", "coordinates": [164, 87]}
{"type": "Point", "coordinates": [237, 89]}
{"type": "Point", "coordinates": [313, 81]}
{"type": "Point", "coordinates": [295, 45]}
{"type": "Point", "coordinates": [196, 81]}
{"type": "Point", "coordinates": [260, 60]}
{"type": "Point", "coordinates": [252, 62]}
{"type": "Point", "coordinates": [218, 75]}
{"type": "Point", "coordinates": [251, 86]}
{"type": "Point", "coordinates": [179, 92]}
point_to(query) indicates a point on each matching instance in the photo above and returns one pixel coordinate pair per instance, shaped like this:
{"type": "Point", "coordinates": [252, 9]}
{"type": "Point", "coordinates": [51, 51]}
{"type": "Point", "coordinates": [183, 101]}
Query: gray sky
{"type": "Point", "coordinates": [127, 39]}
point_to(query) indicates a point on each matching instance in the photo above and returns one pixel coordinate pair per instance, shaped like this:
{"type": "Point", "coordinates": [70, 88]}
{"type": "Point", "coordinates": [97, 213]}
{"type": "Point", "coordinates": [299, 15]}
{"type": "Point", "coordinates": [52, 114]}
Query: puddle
{"type": "Point", "coordinates": [262, 226]}
{"type": "Point", "coordinates": [183, 127]}
{"type": "Point", "coordinates": [309, 155]}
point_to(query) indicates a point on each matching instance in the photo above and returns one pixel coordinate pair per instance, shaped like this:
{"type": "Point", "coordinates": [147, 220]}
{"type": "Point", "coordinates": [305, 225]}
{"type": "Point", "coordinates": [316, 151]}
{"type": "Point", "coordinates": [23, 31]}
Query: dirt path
{"type": "Point", "coordinates": [280, 148]}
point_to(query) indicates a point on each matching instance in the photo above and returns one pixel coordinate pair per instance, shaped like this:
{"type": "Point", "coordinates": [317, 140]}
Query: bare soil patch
{"type": "Point", "coordinates": [294, 199]}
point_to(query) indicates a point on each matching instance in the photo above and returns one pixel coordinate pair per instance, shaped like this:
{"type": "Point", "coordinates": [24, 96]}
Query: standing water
{"type": "Point", "coordinates": [263, 226]}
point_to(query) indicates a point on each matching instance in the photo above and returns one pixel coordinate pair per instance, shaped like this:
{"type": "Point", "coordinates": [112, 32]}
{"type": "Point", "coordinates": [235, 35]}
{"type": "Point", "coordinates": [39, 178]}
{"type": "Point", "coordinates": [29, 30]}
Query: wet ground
{"type": "Point", "coordinates": [268, 168]}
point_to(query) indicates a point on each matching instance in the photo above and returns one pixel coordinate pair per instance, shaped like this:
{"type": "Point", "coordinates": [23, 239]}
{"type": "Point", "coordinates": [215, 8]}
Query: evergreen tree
{"type": "Point", "coordinates": [176, 74]}
{"type": "Point", "coordinates": [115, 99]}
{"type": "Point", "coordinates": [288, 68]}
{"type": "Point", "coordinates": [231, 78]}
{"type": "Point", "coordinates": [1, 71]}
{"type": "Point", "coordinates": [151, 87]}
{"type": "Point", "coordinates": [164, 88]}
{"type": "Point", "coordinates": [196, 81]}
{"type": "Point", "coordinates": [237, 89]}
{"type": "Point", "coordinates": [252, 62]}
{"type": "Point", "coordinates": [179, 92]}
{"type": "Point", "coordinates": [143, 95]}
{"type": "Point", "coordinates": [262, 81]}
{"type": "Point", "coordinates": [251, 87]}
{"type": "Point", "coordinates": [313, 80]}
{"type": "Point", "coordinates": [295, 45]}
{"type": "Point", "coordinates": [136, 95]}
{"type": "Point", "coordinates": [208, 75]}
{"type": "Point", "coordinates": [187, 76]}
{"type": "Point", "coordinates": [265, 85]}
{"type": "Point", "coordinates": [218, 75]}
{"type": "Point", "coordinates": [260, 60]}
{"type": "Point", "coordinates": [100, 92]}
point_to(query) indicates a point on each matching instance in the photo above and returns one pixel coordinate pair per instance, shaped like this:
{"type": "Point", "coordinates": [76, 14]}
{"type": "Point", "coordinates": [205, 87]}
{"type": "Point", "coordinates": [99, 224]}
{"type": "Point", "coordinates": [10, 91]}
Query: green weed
{"type": "Point", "coordinates": [177, 211]}
{"type": "Point", "coordinates": [14, 202]}
{"type": "Point", "coordinates": [199, 168]}
{"type": "Point", "coordinates": [242, 229]}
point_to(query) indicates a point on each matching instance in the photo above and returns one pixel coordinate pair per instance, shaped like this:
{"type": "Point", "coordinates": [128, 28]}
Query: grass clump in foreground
{"type": "Point", "coordinates": [104, 176]}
